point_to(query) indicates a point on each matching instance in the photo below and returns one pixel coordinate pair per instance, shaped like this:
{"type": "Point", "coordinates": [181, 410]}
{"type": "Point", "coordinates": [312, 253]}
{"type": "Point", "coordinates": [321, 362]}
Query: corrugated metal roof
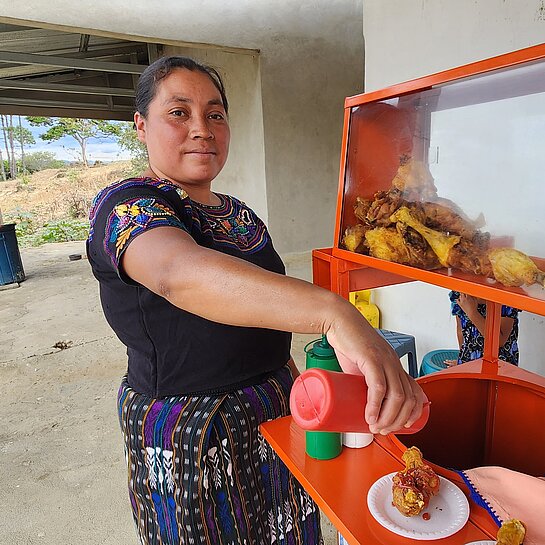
{"type": "Point", "coordinates": [50, 72]}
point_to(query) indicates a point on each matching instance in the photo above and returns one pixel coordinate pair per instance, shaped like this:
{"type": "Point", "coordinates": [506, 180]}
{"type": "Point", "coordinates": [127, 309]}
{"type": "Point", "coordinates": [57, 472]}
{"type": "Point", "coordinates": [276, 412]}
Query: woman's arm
{"type": "Point", "coordinates": [469, 305]}
{"type": "Point", "coordinates": [232, 291]}
{"type": "Point", "coordinates": [459, 334]}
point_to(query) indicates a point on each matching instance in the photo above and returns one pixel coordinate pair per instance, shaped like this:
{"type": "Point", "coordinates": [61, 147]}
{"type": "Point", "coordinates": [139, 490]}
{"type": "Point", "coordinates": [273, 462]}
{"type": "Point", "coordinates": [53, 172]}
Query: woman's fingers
{"type": "Point", "coordinates": [394, 400]}
{"type": "Point", "coordinates": [398, 404]}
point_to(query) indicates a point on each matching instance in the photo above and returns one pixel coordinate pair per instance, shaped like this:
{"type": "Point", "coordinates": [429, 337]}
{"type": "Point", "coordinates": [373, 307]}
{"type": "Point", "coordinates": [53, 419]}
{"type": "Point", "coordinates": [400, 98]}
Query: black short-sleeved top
{"type": "Point", "coordinates": [171, 351]}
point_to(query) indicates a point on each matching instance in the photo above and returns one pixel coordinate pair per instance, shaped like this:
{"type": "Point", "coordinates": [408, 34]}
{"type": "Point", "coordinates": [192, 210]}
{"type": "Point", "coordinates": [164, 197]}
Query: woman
{"type": "Point", "coordinates": [470, 315]}
{"type": "Point", "coordinates": [191, 284]}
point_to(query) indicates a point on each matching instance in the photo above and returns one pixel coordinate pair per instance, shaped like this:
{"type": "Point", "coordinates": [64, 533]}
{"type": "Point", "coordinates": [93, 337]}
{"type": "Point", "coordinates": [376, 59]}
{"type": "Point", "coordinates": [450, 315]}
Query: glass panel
{"type": "Point", "coordinates": [466, 159]}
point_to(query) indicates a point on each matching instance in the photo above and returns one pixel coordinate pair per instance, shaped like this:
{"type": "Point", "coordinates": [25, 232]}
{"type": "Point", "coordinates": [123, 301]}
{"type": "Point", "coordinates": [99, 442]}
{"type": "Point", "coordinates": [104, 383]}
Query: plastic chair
{"type": "Point", "coordinates": [435, 360]}
{"type": "Point", "coordinates": [402, 344]}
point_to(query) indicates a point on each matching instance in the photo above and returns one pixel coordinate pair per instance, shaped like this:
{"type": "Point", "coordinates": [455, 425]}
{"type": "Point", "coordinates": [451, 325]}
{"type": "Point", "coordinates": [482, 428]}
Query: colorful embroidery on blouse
{"type": "Point", "coordinates": [131, 218]}
{"type": "Point", "coordinates": [163, 185]}
{"type": "Point", "coordinates": [234, 225]}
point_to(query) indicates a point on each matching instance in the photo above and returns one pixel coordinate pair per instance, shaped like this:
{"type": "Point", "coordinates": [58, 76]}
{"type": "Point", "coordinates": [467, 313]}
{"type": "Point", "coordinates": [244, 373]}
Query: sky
{"type": "Point", "coordinates": [67, 149]}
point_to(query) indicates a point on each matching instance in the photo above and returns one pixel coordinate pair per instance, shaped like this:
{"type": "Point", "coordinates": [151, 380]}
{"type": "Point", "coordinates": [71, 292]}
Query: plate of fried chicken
{"type": "Point", "coordinates": [416, 502]}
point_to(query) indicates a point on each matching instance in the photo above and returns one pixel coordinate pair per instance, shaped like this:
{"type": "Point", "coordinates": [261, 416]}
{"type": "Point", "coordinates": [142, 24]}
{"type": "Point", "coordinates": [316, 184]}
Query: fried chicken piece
{"type": "Point", "coordinates": [387, 243]}
{"type": "Point", "coordinates": [441, 244]}
{"type": "Point", "coordinates": [514, 268]}
{"type": "Point", "coordinates": [354, 238]}
{"type": "Point", "coordinates": [414, 180]}
{"type": "Point", "coordinates": [361, 208]}
{"type": "Point", "coordinates": [420, 253]}
{"type": "Point", "coordinates": [413, 487]}
{"type": "Point", "coordinates": [511, 532]}
{"type": "Point", "coordinates": [471, 257]}
{"type": "Point", "coordinates": [384, 204]}
{"type": "Point", "coordinates": [445, 219]}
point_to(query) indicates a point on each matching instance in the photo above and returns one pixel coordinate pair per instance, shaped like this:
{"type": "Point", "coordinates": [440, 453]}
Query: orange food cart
{"type": "Point", "coordinates": [476, 136]}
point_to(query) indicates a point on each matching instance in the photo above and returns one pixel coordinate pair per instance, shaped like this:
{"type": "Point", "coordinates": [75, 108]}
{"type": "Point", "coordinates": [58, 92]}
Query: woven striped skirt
{"type": "Point", "coordinates": [201, 473]}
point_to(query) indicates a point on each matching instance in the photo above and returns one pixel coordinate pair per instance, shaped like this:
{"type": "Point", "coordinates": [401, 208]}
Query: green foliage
{"type": "Point", "coordinates": [53, 231]}
{"type": "Point", "coordinates": [128, 140]}
{"type": "Point", "coordinates": [21, 134]}
{"type": "Point", "coordinates": [30, 234]}
{"type": "Point", "coordinates": [40, 160]}
{"type": "Point", "coordinates": [65, 230]}
{"type": "Point", "coordinates": [25, 179]}
{"type": "Point", "coordinates": [24, 222]}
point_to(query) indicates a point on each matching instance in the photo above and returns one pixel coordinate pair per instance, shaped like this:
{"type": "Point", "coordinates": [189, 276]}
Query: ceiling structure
{"type": "Point", "coordinates": [64, 74]}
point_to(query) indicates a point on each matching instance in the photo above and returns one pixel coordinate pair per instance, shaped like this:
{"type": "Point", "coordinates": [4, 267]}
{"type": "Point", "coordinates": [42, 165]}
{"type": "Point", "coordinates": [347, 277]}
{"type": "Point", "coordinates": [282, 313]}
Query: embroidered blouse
{"type": "Point", "coordinates": [473, 342]}
{"type": "Point", "coordinates": [171, 351]}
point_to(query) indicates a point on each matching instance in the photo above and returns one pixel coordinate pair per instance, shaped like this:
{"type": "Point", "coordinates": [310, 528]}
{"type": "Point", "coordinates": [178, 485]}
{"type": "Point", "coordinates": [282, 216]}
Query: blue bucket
{"type": "Point", "coordinates": [11, 266]}
{"type": "Point", "coordinates": [435, 360]}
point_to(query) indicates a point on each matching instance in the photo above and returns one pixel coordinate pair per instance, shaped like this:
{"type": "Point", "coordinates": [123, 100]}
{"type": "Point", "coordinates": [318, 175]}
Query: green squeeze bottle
{"type": "Point", "coordinates": [322, 445]}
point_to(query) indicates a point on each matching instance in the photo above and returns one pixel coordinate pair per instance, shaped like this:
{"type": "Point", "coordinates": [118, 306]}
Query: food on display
{"type": "Point", "coordinates": [410, 224]}
{"type": "Point", "coordinates": [413, 487]}
{"type": "Point", "coordinates": [513, 268]}
{"type": "Point", "coordinates": [511, 532]}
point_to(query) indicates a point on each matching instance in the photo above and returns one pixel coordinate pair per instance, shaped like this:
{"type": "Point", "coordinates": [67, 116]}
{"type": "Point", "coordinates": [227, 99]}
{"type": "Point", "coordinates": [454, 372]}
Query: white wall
{"type": "Point", "coordinates": [407, 39]}
{"type": "Point", "coordinates": [311, 57]}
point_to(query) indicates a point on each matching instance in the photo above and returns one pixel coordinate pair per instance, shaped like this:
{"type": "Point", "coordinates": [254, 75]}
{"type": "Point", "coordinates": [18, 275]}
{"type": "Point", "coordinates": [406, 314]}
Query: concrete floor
{"type": "Point", "coordinates": [62, 470]}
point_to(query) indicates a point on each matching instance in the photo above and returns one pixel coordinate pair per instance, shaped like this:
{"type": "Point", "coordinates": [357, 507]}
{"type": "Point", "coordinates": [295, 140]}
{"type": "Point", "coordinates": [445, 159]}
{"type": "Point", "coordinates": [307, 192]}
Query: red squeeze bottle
{"type": "Point", "coordinates": [330, 401]}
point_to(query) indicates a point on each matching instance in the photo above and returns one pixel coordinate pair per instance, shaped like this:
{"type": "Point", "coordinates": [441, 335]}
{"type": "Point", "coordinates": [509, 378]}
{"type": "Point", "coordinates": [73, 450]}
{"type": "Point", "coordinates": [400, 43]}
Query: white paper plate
{"type": "Point", "coordinates": [482, 543]}
{"type": "Point", "coordinates": [448, 511]}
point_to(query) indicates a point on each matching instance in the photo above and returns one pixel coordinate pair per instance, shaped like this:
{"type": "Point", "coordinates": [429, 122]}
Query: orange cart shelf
{"type": "Point", "coordinates": [340, 486]}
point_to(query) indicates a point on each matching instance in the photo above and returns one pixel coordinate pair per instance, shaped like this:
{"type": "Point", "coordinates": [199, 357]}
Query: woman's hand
{"type": "Point", "coordinates": [468, 304]}
{"type": "Point", "coordinates": [394, 399]}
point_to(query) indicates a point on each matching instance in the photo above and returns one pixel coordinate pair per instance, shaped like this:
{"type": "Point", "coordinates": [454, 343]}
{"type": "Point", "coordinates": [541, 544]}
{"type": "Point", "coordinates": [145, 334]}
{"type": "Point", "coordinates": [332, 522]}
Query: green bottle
{"type": "Point", "coordinates": [322, 445]}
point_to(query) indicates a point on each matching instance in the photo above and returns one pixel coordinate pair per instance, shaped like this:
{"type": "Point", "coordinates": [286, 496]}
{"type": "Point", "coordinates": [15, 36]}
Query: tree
{"type": "Point", "coordinates": [12, 134]}
{"type": "Point", "coordinates": [7, 124]}
{"type": "Point", "coordinates": [81, 130]}
{"type": "Point", "coordinates": [40, 160]}
{"type": "Point", "coordinates": [128, 140]}
{"type": "Point", "coordinates": [24, 137]}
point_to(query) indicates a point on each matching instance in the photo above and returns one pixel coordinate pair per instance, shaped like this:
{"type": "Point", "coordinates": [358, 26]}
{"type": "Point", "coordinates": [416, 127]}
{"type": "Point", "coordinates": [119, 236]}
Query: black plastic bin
{"type": "Point", "coordinates": [11, 266]}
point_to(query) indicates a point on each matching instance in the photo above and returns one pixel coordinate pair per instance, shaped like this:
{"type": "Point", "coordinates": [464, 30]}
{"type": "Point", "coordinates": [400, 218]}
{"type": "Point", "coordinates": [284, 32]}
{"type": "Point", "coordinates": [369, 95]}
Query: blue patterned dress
{"type": "Point", "coordinates": [473, 342]}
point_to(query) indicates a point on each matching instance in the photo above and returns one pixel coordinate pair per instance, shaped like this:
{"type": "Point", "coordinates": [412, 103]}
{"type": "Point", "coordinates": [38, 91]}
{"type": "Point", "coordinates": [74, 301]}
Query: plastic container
{"type": "Point", "coordinates": [328, 401]}
{"type": "Point", "coordinates": [11, 266]}
{"type": "Point", "coordinates": [435, 360]}
{"type": "Point", "coordinates": [318, 444]}
{"type": "Point", "coordinates": [362, 301]}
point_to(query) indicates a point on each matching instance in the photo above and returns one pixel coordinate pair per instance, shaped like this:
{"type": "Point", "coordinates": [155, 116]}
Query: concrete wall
{"type": "Point", "coordinates": [412, 38]}
{"type": "Point", "coordinates": [310, 58]}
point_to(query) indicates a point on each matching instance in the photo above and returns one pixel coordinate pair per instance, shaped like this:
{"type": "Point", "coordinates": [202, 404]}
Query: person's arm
{"type": "Point", "coordinates": [469, 305]}
{"type": "Point", "coordinates": [232, 291]}
{"type": "Point", "coordinates": [459, 334]}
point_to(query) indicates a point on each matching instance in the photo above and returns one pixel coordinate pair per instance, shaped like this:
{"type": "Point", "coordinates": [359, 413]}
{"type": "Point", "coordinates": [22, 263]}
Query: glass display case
{"type": "Point", "coordinates": [442, 180]}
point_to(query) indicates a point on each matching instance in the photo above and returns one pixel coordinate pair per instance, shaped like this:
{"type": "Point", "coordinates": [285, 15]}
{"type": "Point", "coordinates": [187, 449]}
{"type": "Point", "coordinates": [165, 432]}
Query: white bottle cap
{"type": "Point", "coordinates": [357, 440]}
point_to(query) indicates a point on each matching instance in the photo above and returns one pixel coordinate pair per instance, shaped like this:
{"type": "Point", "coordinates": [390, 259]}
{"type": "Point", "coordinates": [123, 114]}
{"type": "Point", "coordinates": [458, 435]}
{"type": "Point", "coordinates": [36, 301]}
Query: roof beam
{"type": "Point", "coordinates": [84, 42]}
{"type": "Point", "coordinates": [66, 88]}
{"type": "Point", "coordinates": [61, 104]}
{"type": "Point", "coordinates": [66, 62]}
{"type": "Point", "coordinates": [66, 112]}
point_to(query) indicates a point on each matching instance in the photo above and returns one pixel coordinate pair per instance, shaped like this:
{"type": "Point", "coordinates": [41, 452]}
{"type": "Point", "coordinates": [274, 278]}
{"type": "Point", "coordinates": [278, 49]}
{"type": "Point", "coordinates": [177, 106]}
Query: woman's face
{"type": "Point", "coordinates": [186, 130]}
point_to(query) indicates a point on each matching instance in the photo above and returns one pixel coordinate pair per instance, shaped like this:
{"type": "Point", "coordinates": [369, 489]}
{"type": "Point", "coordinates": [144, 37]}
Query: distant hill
{"type": "Point", "coordinates": [53, 195]}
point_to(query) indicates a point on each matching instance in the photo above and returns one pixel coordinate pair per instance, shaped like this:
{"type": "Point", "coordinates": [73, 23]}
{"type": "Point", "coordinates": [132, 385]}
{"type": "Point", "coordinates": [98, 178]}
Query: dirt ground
{"type": "Point", "coordinates": [62, 470]}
